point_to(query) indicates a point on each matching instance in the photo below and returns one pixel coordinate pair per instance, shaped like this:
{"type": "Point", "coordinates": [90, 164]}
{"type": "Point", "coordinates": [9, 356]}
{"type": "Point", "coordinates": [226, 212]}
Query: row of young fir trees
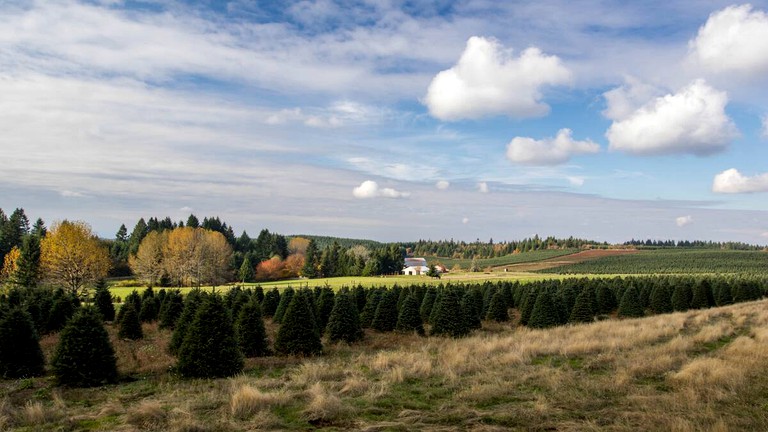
{"type": "Point", "coordinates": [212, 332]}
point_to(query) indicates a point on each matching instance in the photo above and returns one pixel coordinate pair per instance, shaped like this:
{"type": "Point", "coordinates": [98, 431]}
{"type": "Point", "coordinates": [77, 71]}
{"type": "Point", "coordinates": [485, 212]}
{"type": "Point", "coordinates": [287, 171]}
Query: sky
{"type": "Point", "coordinates": [391, 120]}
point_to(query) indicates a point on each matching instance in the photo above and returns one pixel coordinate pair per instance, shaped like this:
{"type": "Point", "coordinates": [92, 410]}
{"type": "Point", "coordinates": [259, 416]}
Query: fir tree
{"type": "Point", "coordinates": [270, 303]}
{"type": "Point", "coordinates": [724, 296]}
{"type": "Point", "coordinates": [298, 332]}
{"type": "Point", "coordinates": [344, 321]}
{"type": "Point", "coordinates": [449, 319]}
{"type": "Point", "coordinates": [20, 353]}
{"type": "Point", "coordinates": [702, 293]}
{"type": "Point", "coordinates": [527, 307]}
{"type": "Point", "coordinates": [84, 356]}
{"type": "Point", "coordinates": [282, 307]}
{"type": "Point", "coordinates": [310, 261]}
{"type": "Point", "coordinates": [192, 302]}
{"type": "Point", "coordinates": [497, 308]}
{"type": "Point", "coordinates": [681, 296]}
{"type": "Point", "coordinates": [472, 308]}
{"type": "Point", "coordinates": [325, 304]}
{"type": "Point", "coordinates": [246, 272]}
{"type": "Point", "coordinates": [210, 349]}
{"type": "Point", "coordinates": [660, 301]}
{"type": "Point", "coordinates": [385, 318]}
{"type": "Point", "coordinates": [150, 309]}
{"type": "Point", "coordinates": [250, 331]}
{"type": "Point", "coordinates": [369, 311]}
{"type": "Point", "coordinates": [606, 299]}
{"type": "Point", "coordinates": [130, 327]}
{"type": "Point", "coordinates": [630, 306]}
{"type": "Point", "coordinates": [171, 309]}
{"type": "Point", "coordinates": [582, 311]}
{"type": "Point", "coordinates": [62, 309]}
{"type": "Point", "coordinates": [427, 303]}
{"type": "Point", "coordinates": [102, 299]}
{"type": "Point", "coordinates": [409, 319]}
{"type": "Point", "coordinates": [28, 265]}
{"type": "Point", "coordinates": [544, 313]}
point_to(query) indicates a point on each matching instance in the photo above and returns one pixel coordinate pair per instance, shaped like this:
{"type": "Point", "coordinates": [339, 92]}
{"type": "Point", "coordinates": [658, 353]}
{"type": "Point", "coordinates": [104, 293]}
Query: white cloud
{"type": "Point", "coordinates": [732, 181]}
{"type": "Point", "coordinates": [465, 220]}
{"type": "Point", "coordinates": [488, 80]}
{"type": "Point", "coordinates": [765, 234]}
{"type": "Point", "coordinates": [548, 151]}
{"type": "Point", "coordinates": [734, 39]}
{"type": "Point", "coordinates": [371, 189]}
{"type": "Point", "coordinates": [765, 126]}
{"type": "Point", "coordinates": [482, 187]}
{"type": "Point", "coordinates": [186, 209]}
{"type": "Point", "coordinates": [691, 121]}
{"type": "Point", "coordinates": [576, 180]}
{"type": "Point", "coordinates": [71, 194]}
{"type": "Point", "coordinates": [683, 220]}
{"type": "Point", "coordinates": [442, 184]}
{"type": "Point", "coordinates": [624, 100]}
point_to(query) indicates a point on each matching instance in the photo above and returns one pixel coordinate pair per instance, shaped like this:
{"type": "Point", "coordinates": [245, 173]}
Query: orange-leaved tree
{"type": "Point", "coordinates": [73, 257]}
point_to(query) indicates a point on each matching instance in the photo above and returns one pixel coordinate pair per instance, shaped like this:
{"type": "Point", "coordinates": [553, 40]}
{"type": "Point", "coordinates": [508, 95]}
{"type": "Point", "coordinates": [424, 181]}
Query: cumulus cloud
{"type": "Point", "coordinates": [683, 220]}
{"type": "Point", "coordinates": [692, 121]}
{"type": "Point", "coordinates": [548, 151]}
{"type": "Point", "coordinates": [624, 100]}
{"type": "Point", "coordinates": [442, 184]}
{"type": "Point", "coordinates": [371, 189]}
{"type": "Point", "coordinates": [489, 80]}
{"type": "Point", "coordinates": [732, 181]}
{"type": "Point", "coordinates": [576, 180]}
{"type": "Point", "coordinates": [465, 220]}
{"type": "Point", "coordinates": [734, 39]}
{"type": "Point", "coordinates": [482, 187]}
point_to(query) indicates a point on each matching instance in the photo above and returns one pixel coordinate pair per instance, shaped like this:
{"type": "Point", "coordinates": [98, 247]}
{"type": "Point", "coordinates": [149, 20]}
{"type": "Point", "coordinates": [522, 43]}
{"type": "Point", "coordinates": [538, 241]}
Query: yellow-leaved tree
{"type": "Point", "coordinates": [195, 256]}
{"type": "Point", "coordinates": [73, 257]}
{"type": "Point", "coordinates": [148, 263]}
{"type": "Point", "coordinates": [10, 264]}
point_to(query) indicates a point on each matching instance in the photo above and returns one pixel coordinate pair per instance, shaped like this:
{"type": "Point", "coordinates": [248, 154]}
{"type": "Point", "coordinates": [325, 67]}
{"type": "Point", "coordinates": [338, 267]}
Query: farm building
{"type": "Point", "coordinates": [415, 266]}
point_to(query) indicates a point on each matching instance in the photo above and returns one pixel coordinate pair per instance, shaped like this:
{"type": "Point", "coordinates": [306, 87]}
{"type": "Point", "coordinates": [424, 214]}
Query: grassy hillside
{"type": "Point", "coordinates": [503, 260]}
{"type": "Point", "coordinates": [679, 261]}
{"type": "Point", "coordinates": [700, 370]}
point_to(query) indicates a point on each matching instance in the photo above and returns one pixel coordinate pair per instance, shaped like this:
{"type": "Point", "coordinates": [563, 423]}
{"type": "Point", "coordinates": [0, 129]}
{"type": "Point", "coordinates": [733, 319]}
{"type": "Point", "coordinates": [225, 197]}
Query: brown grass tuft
{"type": "Point", "coordinates": [323, 406]}
{"type": "Point", "coordinates": [248, 400]}
{"type": "Point", "coordinates": [148, 415]}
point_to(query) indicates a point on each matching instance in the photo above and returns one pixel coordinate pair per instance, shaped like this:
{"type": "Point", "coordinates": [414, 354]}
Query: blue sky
{"type": "Point", "coordinates": [391, 120]}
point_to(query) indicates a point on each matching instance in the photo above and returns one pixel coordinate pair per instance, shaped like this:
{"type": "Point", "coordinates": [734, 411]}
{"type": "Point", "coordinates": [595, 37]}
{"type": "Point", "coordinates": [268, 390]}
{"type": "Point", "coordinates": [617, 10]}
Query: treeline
{"type": "Point", "coordinates": [482, 250]}
{"type": "Point", "coordinates": [211, 333]}
{"type": "Point", "coordinates": [323, 242]}
{"type": "Point", "coordinates": [695, 244]}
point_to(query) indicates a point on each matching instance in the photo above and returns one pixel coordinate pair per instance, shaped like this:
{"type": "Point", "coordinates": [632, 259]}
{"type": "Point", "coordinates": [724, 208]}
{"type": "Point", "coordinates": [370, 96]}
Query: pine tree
{"type": "Point", "coordinates": [28, 265]}
{"type": "Point", "coordinates": [150, 309]}
{"type": "Point", "coordinates": [171, 309]}
{"type": "Point", "coordinates": [528, 303]}
{"type": "Point", "coordinates": [344, 321]}
{"type": "Point", "coordinates": [369, 311]}
{"type": "Point", "coordinates": [630, 306]}
{"type": "Point", "coordinates": [449, 319]}
{"type": "Point", "coordinates": [20, 353]}
{"type": "Point", "coordinates": [102, 299]}
{"type": "Point", "coordinates": [582, 310]}
{"type": "Point", "coordinates": [409, 319]}
{"type": "Point", "coordinates": [130, 327]}
{"type": "Point", "coordinates": [544, 313]}
{"type": "Point", "coordinates": [724, 296]}
{"type": "Point", "coordinates": [285, 300]}
{"type": "Point", "coordinates": [250, 331]}
{"type": "Point", "coordinates": [210, 348]}
{"type": "Point", "coordinates": [702, 293]}
{"type": "Point", "coordinates": [298, 332]}
{"type": "Point", "coordinates": [385, 318]}
{"type": "Point", "coordinates": [84, 356]}
{"type": "Point", "coordinates": [246, 272]}
{"type": "Point", "coordinates": [606, 299]}
{"type": "Point", "coordinates": [681, 296]}
{"type": "Point", "coordinates": [472, 308]}
{"type": "Point", "coordinates": [310, 261]}
{"type": "Point", "coordinates": [427, 303]}
{"type": "Point", "coordinates": [660, 301]}
{"type": "Point", "coordinates": [325, 304]}
{"type": "Point", "coordinates": [192, 302]}
{"type": "Point", "coordinates": [63, 308]}
{"type": "Point", "coordinates": [497, 308]}
{"type": "Point", "coordinates": [270, 303]}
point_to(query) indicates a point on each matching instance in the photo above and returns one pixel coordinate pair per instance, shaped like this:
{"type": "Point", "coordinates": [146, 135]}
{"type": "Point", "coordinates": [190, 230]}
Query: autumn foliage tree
{"type": "Point", "coordinates": [73, 257]}
{"type": "Point", "coordinates": [147, 264]}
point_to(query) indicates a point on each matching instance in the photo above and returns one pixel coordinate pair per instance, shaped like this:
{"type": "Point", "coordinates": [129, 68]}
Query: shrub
{"type": "Point", "coordinates": [250, 332]}
{"type": "Point", "coordinates": [20, 353]}
{"type": "Point", "coordinates": [298, 332]}
{"type": "Point", "coordinates": [344, 321]}
{"type": "Point", "coordinates": [210, 348]}
{"type": "Point", "coordinates": [84, 356]}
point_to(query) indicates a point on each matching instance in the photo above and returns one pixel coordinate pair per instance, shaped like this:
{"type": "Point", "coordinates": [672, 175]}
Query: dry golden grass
{"type": "Point", "coordinates": [692, 371]}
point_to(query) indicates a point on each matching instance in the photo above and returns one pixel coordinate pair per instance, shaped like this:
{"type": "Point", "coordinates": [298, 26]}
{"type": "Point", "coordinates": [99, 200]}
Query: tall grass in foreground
{"type": "Point", "coordinates": [698, 370]}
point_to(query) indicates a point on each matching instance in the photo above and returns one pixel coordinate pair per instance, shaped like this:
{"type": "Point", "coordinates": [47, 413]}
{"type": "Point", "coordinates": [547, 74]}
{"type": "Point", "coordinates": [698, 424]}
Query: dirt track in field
{"type": "Point", "coordinates": [565, 260]}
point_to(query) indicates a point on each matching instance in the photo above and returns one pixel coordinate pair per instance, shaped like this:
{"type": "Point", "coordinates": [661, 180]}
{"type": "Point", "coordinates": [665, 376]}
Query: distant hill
{"type": "Point", "coordinates": [323, 241]}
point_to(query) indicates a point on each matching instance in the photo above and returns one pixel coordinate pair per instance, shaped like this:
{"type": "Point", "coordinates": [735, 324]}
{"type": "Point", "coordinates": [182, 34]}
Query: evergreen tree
{"type": "Point", "coordinates": [606, 299]}
{"type": "Point", "coordinates": [298, 332]}
{"type": "Point", "coordinates": [310, 261]}
{"type": "Point", "coordinates": [250, 331]}
{"type": "Point", "coordinates": [427, 303]}
{"type": "Point", "coordinates": [28, 265]}
{"type": "Point", "coordinates": [660, 301]}
{"type": "Point", "coordinates": [497, 308]}
{"type": "Point", "coordinates": [193, 221]}
{"type": "Point", "coordinates": [102, 299]}
{"type": "Point", "coordinates": [582, 311]}
{"type": "Point", "coordinates": [724, 296]}
{"type": "Point", "coordinates": [472, 308]}
{"type": "Point", "coordinates": [325, 304]}
{"type": "Point", "coordinates": [369, 311]}
{"type": "Point", "coordinates": [544, 313]}
{"type": "Point", "coordinates": [385, 318]}
{"type": "Point", "coordinates": [210, 348]}
{"type": "Point", "coordinates": [192, 302]}
{"type": "Point", "coordinates": [681, 296]}
{"type": "Point", "coordinates": [449, 319]}
{"type": "Point", "coordinates": [171, 309]}
{"type": "Point", "coordinates": [270, 303]}
{"type": "Point", "coordinates": [282, 307]}
{"type": "Point", "coordinates": [20, 353]}
{"type": "Point", "coordinates": [130, 327]}
{"type": "Point", "coordinates": [246, 272]}
{"type": "Point", "coordinates": [528, 303]}
{"type": "Point", "coordinates": [409, 319]}
{"type": "Point", "coordinates": [702, 293]}
{"type": "Point", "coordinates": [150, 309]}
{"type": "Point", "coordinates": [62, 309]}
{"type": "Point", "coordinates": [84, 356]}
{"type": "Point", "coordinates": [630, 306]}
{"type": "Point", "coordinates": [344, 321]}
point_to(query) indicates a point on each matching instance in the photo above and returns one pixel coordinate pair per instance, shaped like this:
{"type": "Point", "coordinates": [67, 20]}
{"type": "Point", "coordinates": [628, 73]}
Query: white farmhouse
{"type": "Point", "coordinates": [415, 266]}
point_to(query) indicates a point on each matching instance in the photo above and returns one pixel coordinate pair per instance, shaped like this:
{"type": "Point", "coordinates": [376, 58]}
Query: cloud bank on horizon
{"type": "Point", "coordinates": [348, 119]}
